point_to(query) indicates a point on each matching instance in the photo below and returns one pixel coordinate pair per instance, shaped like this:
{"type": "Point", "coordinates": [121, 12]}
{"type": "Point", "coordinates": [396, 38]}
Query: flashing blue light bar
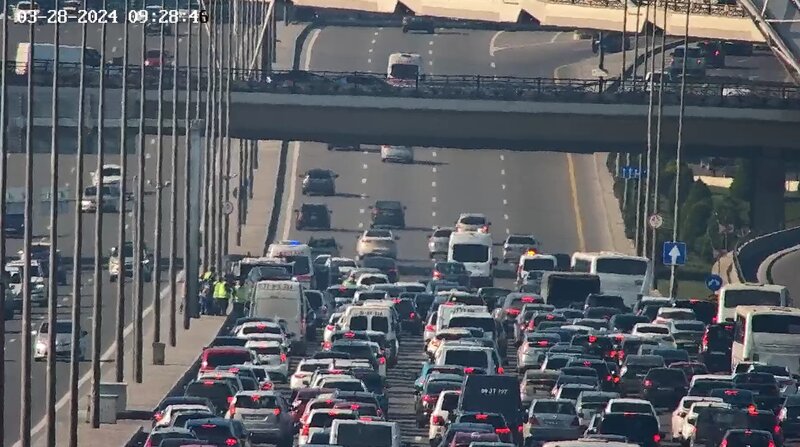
{"type": "Point", "coordinates": [292, 242]}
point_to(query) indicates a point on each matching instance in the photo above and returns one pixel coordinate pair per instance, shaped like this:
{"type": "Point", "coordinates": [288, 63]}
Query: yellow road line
{"type": "Point", "coordinates": [573, 189]}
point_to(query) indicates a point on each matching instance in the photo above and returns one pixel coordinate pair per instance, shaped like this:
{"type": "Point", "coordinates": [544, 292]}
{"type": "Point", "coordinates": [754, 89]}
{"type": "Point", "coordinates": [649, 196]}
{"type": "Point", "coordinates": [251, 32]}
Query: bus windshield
{"type": "Point", "coordinates": [776, 324]}
{"type": "Point", "coordinates": [734, 298]}
{"type": "Point", "coordinates": [619, 266]}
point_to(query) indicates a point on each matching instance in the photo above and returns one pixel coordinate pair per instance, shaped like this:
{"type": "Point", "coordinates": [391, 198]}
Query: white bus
{"type": "Point", "coordinates": [767, 334]}
{"type": "Point", "coordinates": [749, 294]}
{"type": "Point", "coordinates": [620, 274]}
{"type": "Point", "coordinates": [404, 69]}
{"type": "Point", "coordinates": [474, 250]}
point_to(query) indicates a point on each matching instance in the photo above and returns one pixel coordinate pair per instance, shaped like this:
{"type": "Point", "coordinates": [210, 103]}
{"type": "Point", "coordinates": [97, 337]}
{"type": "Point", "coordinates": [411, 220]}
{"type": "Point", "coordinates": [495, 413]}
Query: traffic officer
{"type": "Point", "coordinates": [221, 296]}
{"type": "Point", "coordinates": [208, 276]}
{"type": "Point", "coordinates": [239, 301]}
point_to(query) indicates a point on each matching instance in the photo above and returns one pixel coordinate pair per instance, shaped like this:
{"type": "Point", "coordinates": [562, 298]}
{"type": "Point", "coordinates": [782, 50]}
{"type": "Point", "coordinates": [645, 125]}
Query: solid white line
{"type": "Point", "coordinates": [292, 178]}
{"type": "Point", "coordinates": [311, 42]}
{"type": "Point", "coordinates": [493, 48]}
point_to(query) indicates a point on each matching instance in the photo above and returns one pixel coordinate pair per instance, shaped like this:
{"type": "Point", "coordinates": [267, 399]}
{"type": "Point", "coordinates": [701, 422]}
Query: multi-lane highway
{"type": "Point", "coordinates": [552, 195]}
{"type": "Point", "coordinates": [67, 166]}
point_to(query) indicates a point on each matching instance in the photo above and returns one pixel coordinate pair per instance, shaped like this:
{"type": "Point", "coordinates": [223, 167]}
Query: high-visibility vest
{"type": "Point", "coordinates": [206, 276]}
{"type": "Point", "coordinates": [238, 297]}
{"type": "Point", "coordinates": [220, 290]}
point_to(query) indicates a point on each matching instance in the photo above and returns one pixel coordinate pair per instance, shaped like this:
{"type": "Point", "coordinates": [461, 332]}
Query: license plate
{"type": "Point", "coordinates": [665, 389]}
{"type": "Point", "coordinates": [253, 418]}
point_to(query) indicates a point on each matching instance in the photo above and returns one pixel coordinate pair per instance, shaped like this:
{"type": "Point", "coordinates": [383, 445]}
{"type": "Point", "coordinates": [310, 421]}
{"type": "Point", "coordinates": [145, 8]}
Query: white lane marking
{"type": "Point", "coordinates": [433, 184]}
{"type": "Point", "coordinates": [493, 65]}
{"type": "Point", "coordinates": [361, 225]}
{"type": "Point", "coordinates": [527, 45]}
{"type": "Point", "coordinates": [13, 340]}
{"type": "Point", "coordinates": [430, 43]}
{"type": "Point", "coordinates": [287, 218]}
{"type": "Point", "coordinates": [505, 202]}
{"type": "Point", "coordinates": [433, 154]}
{"type": "Point", "coordinates": [369, 61]}
{"type": "Point", "coordinates": [558, 34]}
{"type": "Point", "coordinates": [508, 231]}
{"type": "Point", "coordinates": [371, 50]}
{"type": "Point", "coordinates": [433, 213]}
{"type": "Point", "coordinates": [434, 169]}
{"type": "Point", "coordinates": [361, 211]}
{"type": "Point", "coordinates": [365, 166]}
{"type": "Point", "coordinates": [505, 216]}
{"type": "Point", "coordinates": [502, 172]}
{"type": "Point", "coordinates": [430, 52]}
{"type": "Point", "coordinates": [376, 33]}
{"type": "Point", "coordinates": [433, 199]}
{"type": "Point", "coordinates": [363, 180]}
{"type": "Point", "coordinates": [311, 42]}
{"type": "Point", "coordinates": [502, 157]}
{"type": "Point", "coordinates": [430, 62]}
{"type": "Point", "coordinates": [492, 47]}
{"type": "Point", "coordinates": [107, 356]}
{"type": "Point", "coordinates": [373, 41]}
{"type": "Point", "coordinates": [380, 28]}
{"type": "Point", "coordinates": [502, 186]}
{"type": "Point", "coordinates": [114, 49]}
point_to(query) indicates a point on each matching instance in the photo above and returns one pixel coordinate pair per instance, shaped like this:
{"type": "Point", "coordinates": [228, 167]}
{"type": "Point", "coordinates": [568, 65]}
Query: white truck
{"type": "Point", "coordinates": [42, 55]}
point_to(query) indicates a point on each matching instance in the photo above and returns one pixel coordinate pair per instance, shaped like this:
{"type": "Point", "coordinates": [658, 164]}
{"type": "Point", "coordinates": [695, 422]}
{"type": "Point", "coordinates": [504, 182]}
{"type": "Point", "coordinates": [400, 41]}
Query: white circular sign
{"type": "Point", "coordinates": [655, 221]}
{"type": "Point", "coordinates": [227, 208]}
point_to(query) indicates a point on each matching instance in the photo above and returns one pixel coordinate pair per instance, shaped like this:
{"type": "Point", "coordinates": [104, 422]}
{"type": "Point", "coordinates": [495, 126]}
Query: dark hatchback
{"type": "Point", "coordinates": [313, 217]}
{"type": "Point", "coordinates": [387, 266]}
{"type": "Point", "coordinates": [319, 182]}
{"type": "Point", "coordinates": [409, 315]}
{"type": "Point", "coordinates": [220, 432]}
{"type": "Point", "coordinates": [638, 428]}
{"type": "Point", "coordinates": [715, 349]}
{"type": "Point", "coordinates": [664, 387]}
{"type": "Point", "coordinates": [388, 214]}
{"type": "Point", "coordinates": [451, 271]}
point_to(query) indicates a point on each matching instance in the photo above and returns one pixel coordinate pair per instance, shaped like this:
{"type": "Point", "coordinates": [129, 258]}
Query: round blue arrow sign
{"type": "Point", "coordinates": [713, 282]}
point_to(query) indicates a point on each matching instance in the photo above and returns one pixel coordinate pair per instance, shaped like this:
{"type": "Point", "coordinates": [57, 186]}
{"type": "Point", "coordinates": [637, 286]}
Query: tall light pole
{"type": "Point", "coordinates": [3, 204]}
{"type": "Point", "coordinates": [138, 275]}
{"type": "Point", "coordinates": [159, 191]}
{"type": "Point", "coordinates": [173, 202]}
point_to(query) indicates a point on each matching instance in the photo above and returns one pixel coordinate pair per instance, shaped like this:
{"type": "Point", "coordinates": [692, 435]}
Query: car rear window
{"type": "Point", "coordinates": [345, 385]}
{"type": "Point", "coordinates": [636, 427]}
{"type": "Point", "coordinates": [485, 323]}
{"type": "Point", "coordinates": [256, 401]}
{"type": "Point", "coordinates": [748, 438]}
{"type": "Point", "coordinates": [213, 390]}
{"type": "Point", "coordinates": [324, 419]}
{"type": "Point", "coordinates": [703, 387]}
{"type": "Point", "coordinates": [214, 359]}
{"type": "Point", "coordinates": [356, 351]}
{"type": "Point", "coordinates": [459, 357]}
{"type": "Point", "coordinates": [434, 388]}
{"type": "Point", "coordinates": [553, 407]}
{"type": "Point", "coordinates": [267, 350]}
{"type": "Point", "coordinates": [380, 324]}
{"type": "Point", "coordinates": [495, 420]}
{"type": "Point", "coordinates": [364, 435]}
{"type": "Point", "coordinates": [666, 376]}
{"type": "Point", "coordinates": [358, 323]}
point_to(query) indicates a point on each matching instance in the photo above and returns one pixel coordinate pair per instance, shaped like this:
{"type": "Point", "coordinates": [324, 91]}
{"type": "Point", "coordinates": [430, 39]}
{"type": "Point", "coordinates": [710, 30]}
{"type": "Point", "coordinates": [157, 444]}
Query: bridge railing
{"type": "Point", "coordinates": [703, 92]}
{"type": "Point", "coordinates": [699, 7]}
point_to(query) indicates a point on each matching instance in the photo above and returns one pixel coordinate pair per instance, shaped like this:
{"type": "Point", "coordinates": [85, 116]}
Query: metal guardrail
{"type": "Point", "coordinates": [696, 7]}
{"type": "Point", "coordinates": [699, 92]}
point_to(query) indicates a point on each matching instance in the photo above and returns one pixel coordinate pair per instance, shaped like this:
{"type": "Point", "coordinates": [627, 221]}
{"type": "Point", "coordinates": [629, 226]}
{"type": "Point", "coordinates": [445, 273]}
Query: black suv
{"type": "Point", "coordinates": [319, 182]}
{"type": "Point", "coordinates": [715, 350]}
{"type": "Point", "coordinates": [412, 23]}
{"type": "Point", "coordinates": [713, 52]}
{"type": "Point", "coordinates": [388, 214]}
{"type": "Point", "coordinates": [313, 217]}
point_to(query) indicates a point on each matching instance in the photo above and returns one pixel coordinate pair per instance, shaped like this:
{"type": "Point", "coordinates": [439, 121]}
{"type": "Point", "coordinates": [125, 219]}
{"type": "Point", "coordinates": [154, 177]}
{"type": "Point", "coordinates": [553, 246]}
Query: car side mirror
{"type": "Point", "coordinates": [405, 207]}
{"type": "Point", "coordinates": [335, 175]}
{"type": "Point", "coordinates": [84, 333]}
{"type": "Point", "coordinates": [691, 421]}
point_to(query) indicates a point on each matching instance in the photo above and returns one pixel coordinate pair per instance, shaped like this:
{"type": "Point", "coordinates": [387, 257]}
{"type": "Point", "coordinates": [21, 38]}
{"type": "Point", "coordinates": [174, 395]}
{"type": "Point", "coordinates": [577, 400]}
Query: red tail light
{"type": "Point", "coordinates": [427, 398]}
{"type": "Point", "coordinates": [485, 228]}
{"type": "Point", "coordinates": [430, 328]}
{"type": "Point", "coordinates": [230, 399]}
{"type": "Point", "coordinates": [616, 379]}
{"type": "Point", "coordinates": [303, 277]}
{"type": "Point", "coordinates": [326, 345]}
{"type": "Point", "coordinates": [158, 416]}
{"type": "Point", "coordinates": [283, 357]}
{"type": "Point", "coordinates": [714, 320]}
{"type": "Point", "coordinates": [612, 354]}
{"type": "Point", "coordinates": [716, 53]}
{"type": "Point", "coordinates": [382, 360]}
{"type": "Point", "coordinates": [396, 300]}
{"type": "Point", "coordinates": [724, 443]}
{"type": "Point", "coordinates": [656, 438]}
{"type": "Point", "coordinates": [513, 312]}
{"type": "Point", "coordinates": [776, 429]}
{"type": "Point", "coordinates": [412, 315]}
{"type": "Point", "coordinates": [503, 431]}
{"type": "Point", "coordinates": [437, 420]}
{"type": "Point", "coordinates": [609, 378]}
{"type": "Point", "coordinates": [647, 383]}
{"type": "Point", "coordinates": [305, 430]}
{"type": "Point", "coordinates": [469, 370]}
{"type": "Point", "coordinates": [543, 343]}
{"type": "Point", "coordinates": [266, 386]}
{"type": "Point", "coordinates": [771, 444]}
{"type": "Point", "coordinates": [481, 417]}
{"type": "Point", "coordinates": [437, 274]}
{"type": "Point", "coordinates": [330, 327]}
{"type": "Point", "coordinates": [232, 409]}
{"type": "Point", "coordinates": [500, 370]}
{"type": "Point", "coordinates": [520, 428]}
{"type": "Point", "coordinates": [527, 299]}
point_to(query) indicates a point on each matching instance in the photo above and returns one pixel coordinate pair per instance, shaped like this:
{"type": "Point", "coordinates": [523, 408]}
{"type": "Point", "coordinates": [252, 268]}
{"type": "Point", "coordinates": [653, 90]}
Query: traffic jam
{"type": "Point", "coordinates": [572, 352]}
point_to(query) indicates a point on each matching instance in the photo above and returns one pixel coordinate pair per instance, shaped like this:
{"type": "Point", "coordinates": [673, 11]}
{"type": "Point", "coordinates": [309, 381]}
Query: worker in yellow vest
{"type": "Point", "coordinates": [221, 296]}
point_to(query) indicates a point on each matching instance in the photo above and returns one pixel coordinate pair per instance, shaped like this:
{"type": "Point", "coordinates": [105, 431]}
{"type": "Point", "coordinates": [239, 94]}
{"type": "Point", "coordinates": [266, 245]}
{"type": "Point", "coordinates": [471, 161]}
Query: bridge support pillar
{"type": "Point", "coordinates": [767, 199]}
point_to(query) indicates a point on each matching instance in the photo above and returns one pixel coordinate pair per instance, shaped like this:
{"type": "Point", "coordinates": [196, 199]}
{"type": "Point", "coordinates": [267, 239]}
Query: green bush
{"type": "Point", "coordinates": [695, 220]}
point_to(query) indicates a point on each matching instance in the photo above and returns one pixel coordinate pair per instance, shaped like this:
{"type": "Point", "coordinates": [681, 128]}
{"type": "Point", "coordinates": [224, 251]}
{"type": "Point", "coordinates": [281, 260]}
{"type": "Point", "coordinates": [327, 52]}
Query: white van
{"type": "Point", "coordinates": [349, 433]}
{"type": "Point", "coordinates": [749, 294]}
{"type": "Point", "coordinates": [404, 69]}
{"type": "Point", "coordinates": [282, 301]}
{"type": "Point", "coordinates": [298, 254]}
{"type": "Point", "coordinates": [535, 261]}
{"type": "Point", "coordinates": [620, 274]}
{"type": "Point", "coordinates": [448, 312]}
{"type": "Point", "coordinates": [474, 250]}
{"type": "Point", "coordinates": [373, 316]}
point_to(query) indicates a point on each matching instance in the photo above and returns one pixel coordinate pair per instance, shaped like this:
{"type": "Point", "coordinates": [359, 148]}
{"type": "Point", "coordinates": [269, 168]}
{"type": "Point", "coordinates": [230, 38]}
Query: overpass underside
{"type": "Point", "coordinates": [723, 22]}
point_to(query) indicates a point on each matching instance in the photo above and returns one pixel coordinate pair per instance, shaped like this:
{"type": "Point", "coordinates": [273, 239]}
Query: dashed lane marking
{"type": "Point", "coordinates": [365, 166]}
{"type": "Point", "coordinates": [433, 199]}
{"type": "Point", "coordinates": [503, 186]}
{"type": "Point", "coordinates": [502, 172]}
{"type": "Point", "coordinates": [430, 43]}
{"type": "Point", "coordinates": [433, 154]}
{"type": "Point", "coordinates": [363, 180]}
{"type": "Point", "coordinates": [361, 211]}
{"type": "Point", "coordinates": [369, 61]}
{"type": "Point", "coordinates": [502, 157]}
{"type": "Point", "coordinates": [433, 169]}
{"type": "Point", "coordinates": [433, 184]}
{"type": "Point", "coordinates": [505, 202]}
{"type": "Point", "coordinates": [505, 216]}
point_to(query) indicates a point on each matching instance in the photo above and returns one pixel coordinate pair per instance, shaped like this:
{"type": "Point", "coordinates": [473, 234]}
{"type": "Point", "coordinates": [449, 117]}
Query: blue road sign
{"type": "Point", "coordinates": [631, 172]}
{"type": "Point", "coordinates": [713, 282]}
{"type": "Point", "coordinates": [674, 253]}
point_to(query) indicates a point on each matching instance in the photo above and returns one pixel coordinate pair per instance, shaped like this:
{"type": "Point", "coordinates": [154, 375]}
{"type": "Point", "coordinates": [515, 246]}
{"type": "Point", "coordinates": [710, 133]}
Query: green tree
{"type": "Point", "coordinates": [742, 183]}
{"type": "Point", "coordinates": [686, 181]}
{"type": "Point", "coordinates": [695, 220]}
{"type": "Point", "coordinates": [698, 192]}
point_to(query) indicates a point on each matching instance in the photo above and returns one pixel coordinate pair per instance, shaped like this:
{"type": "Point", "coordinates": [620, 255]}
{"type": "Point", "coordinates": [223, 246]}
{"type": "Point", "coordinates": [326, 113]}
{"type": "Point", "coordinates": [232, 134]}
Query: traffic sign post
{"type": "Point", "coordinates": [713, 282]}
{"type": "Point", "coordinates": [227, 208]}
{"type": "Point", "coordinates": [631, 172]}
{"type": "Point", "coordinates": [674, 253]}
{"type": "Point", "coordinates": [655, 221]}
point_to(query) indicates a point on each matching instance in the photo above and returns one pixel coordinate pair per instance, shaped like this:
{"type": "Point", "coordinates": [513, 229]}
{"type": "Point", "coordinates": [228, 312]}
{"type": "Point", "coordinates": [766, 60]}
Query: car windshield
{"type": "Point", "coordinates": [404, 71]}
{"type": "Point", "coordinates": [473, 220]}
{"type": "Point", "coordinates": [436, 387]}
{"type": "Point", "coordinates": [652, 329]}
{"type": "Point", "coordinates": [62, 327]}
{"type": "Point", "coordinates": [319, 173]}
{"type": "Point", "coordinates": [464, 357]}
{"type": "Point", "coordinates": [553, 407]}
{"type": "Point", "coordinates": [636, 427]}
{"type": "Point", "coordinates": [665, 376]}
{"type": "Point", "coordinates": [300, 264]}
{"type": "Point", "coordinates": [470, 252]}
{"type": "Point", "coordinates": [211, 432]}
{"type": "Point", "coordinates": [111, 172]}
{"type": "Point", "coordinates": [776, 324]}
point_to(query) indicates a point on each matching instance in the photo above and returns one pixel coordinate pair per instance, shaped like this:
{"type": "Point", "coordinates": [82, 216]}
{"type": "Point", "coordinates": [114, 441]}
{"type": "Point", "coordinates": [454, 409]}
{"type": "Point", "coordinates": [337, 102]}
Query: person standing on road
{"type": "Point", "coordinates": [221, 296]}
{"type": "Point", "coordinates": [238, 301]}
